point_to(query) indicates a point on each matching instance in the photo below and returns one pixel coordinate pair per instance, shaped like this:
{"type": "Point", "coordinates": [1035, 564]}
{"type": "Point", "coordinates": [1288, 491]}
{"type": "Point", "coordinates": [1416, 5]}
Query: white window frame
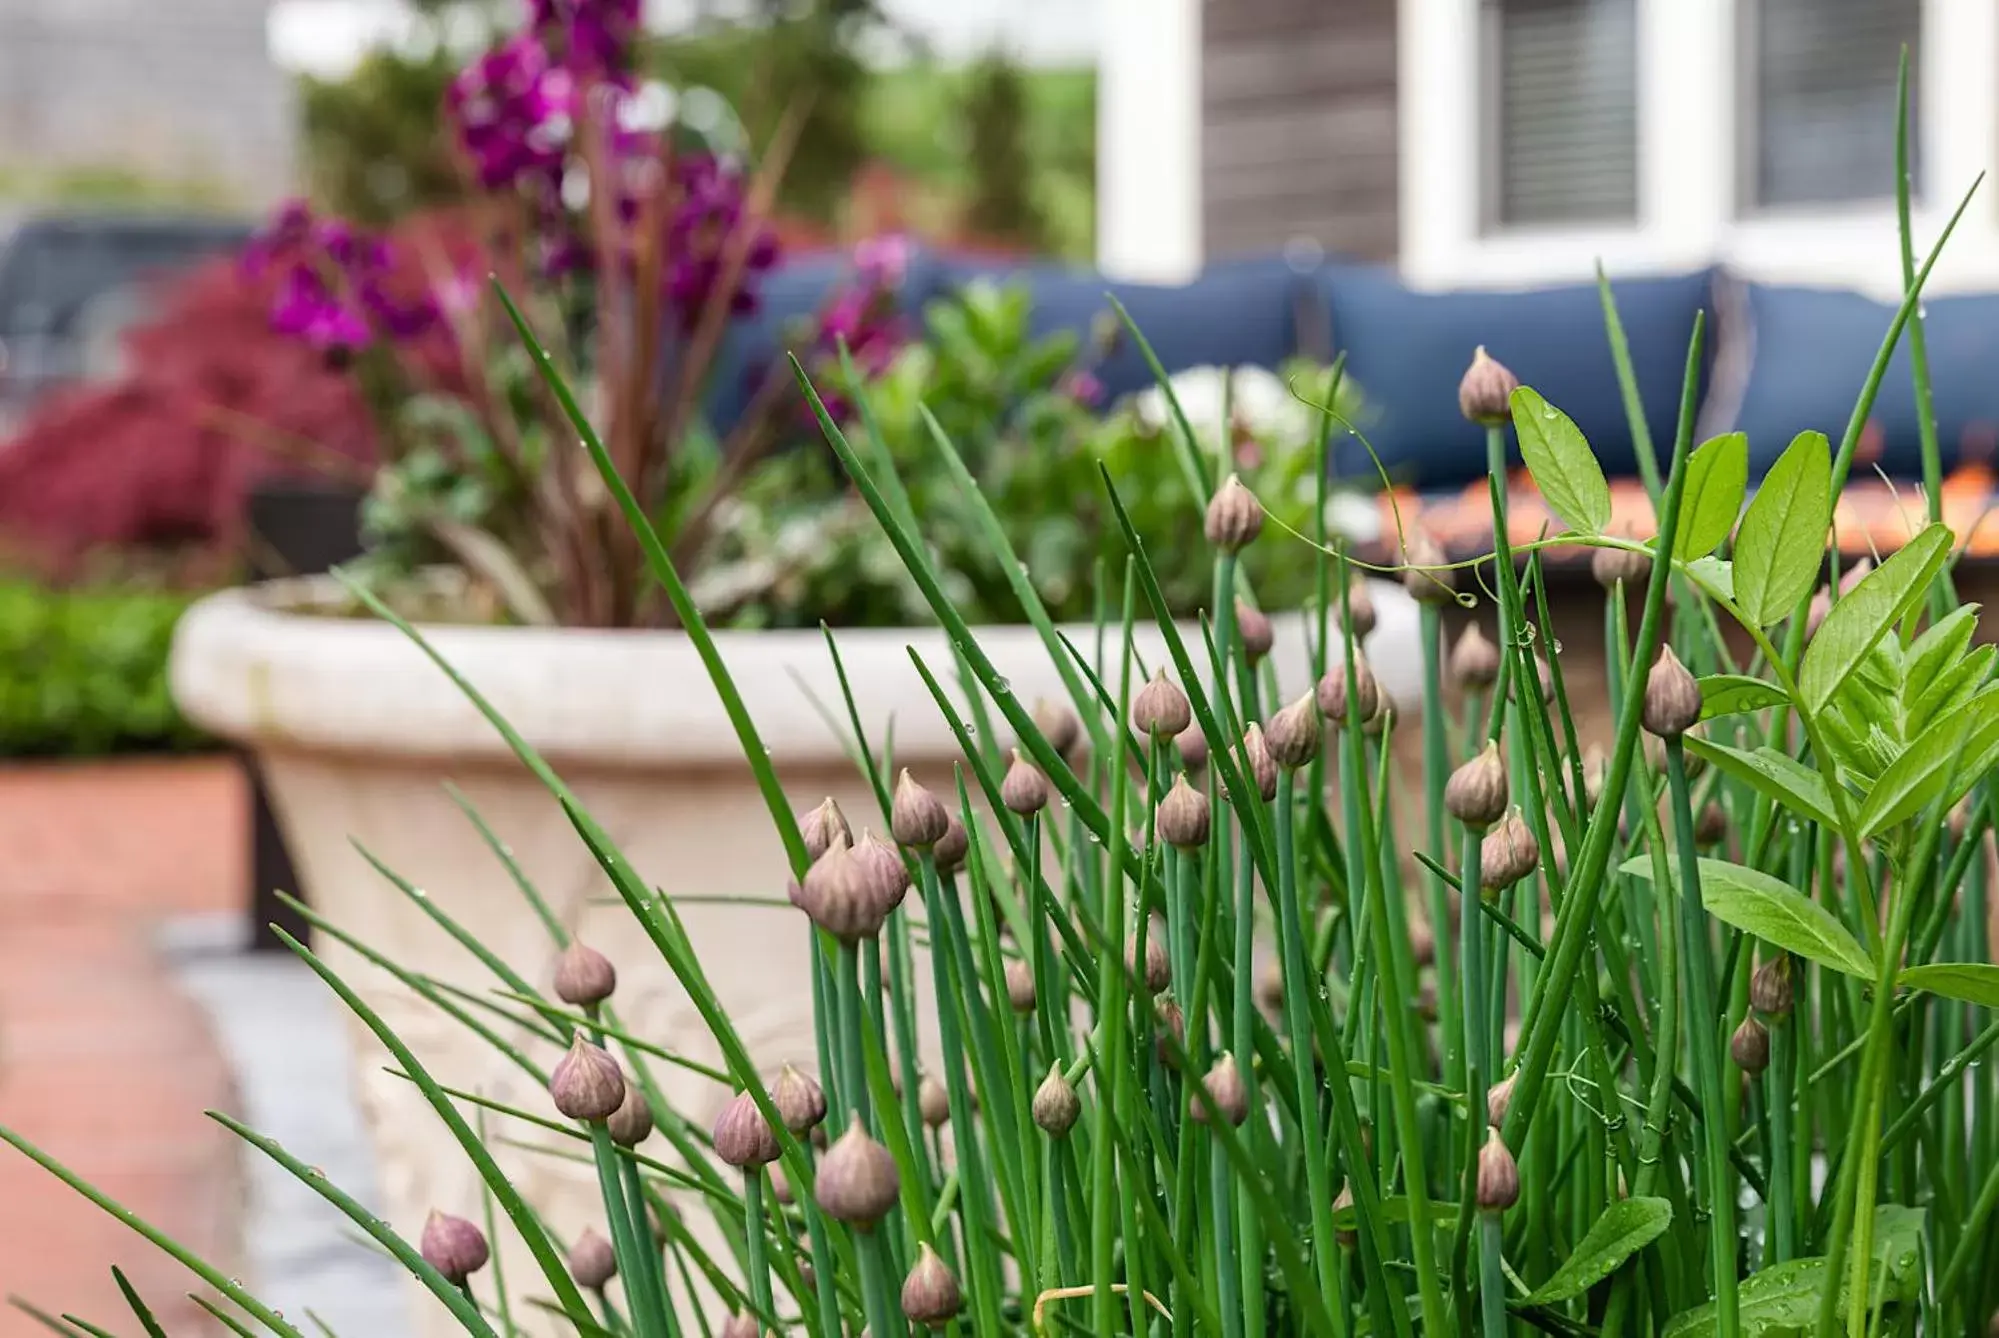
{"type": "Point", "coordinates": [1688, 173]}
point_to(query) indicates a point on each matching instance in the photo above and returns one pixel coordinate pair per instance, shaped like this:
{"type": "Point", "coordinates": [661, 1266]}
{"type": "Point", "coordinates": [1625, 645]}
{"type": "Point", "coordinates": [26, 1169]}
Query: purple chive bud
{"type": "Point", "coordinates": [453, 1246]}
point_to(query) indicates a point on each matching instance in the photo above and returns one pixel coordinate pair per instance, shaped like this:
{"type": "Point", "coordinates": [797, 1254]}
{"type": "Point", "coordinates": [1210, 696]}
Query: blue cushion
{"type": "Point", "coordinates": [790, 296]}
{"type": "Point", "coordinates": [1812, 351]}
{"type": "Point", "coordinates": [1406, 351]}
{"type": "Point", "coordinates": [1235, 313]}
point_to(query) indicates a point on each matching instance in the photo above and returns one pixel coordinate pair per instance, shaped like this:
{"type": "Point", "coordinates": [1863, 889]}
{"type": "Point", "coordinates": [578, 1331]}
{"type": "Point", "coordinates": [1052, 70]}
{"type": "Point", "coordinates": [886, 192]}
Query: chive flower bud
{"type": "Point", "coordinates": [857, 1181]}
{"type": "Point", "coordinates": [1225, 1088]}
{"type": "Point", "coordinates": [1750, 1046]}
{"type": "Point", "coordinates": [1485, 392]}
{"type": "Point", "coordinates": [1253, 629]}
{"type": "Point", "coordinates": [1672, 697]}
{"type": "Point", "coordinates": [1293, 734]}
{"type": "Point", "coordinates": [631, 1123]}
{"type": "Point", "coordinates": [933, 1103]}
{"type": "Point", "coordinates": [1262, 767]}
{"type": "Point", "coordinates": [1024, 790]}
{"type": "Point", "coordinates": [930, 1294]}
{"type": "Point", "coordinates": [592, 1262]}
{"type": "Point", "coordinates": [1498, 1175]}
{"type": "Point", "coordinates": [1770, 987]}
{"type": "Point", "coordinates": [1612, 566]}
{"type": "Point", "coordinates": [917, 817]}
{"type": "Point", "coordinates": [1192, 746]}
{"type": "Point", "coordinates": [1158, 967]}
{"type": "Point", "coordinates": [822, 825]}
{"type": "Point", "coordinates": [743, 1137]}
{"type": "Point", "coordinates": [1474, 660]}
{"type": "Point", "coordinates": [1020, 991]}
{"type": "Point", "coordinates": [1499, 1099]}
{"type": "Point", "coordinates": [584, 977]}
{"type": "Point", "coordinates": [1475, 794]}
{"type": "Point", "coordinates": [1508, 853]}
{"type": "Point", "coordinates": [1710, 824]}
{"type": "Point", "coordinates": [1056, 1105]}
{"type": "Point", "coordinates": [951, 848]}
{"type": "Point", "coordinates": [1161, 709]}
{"type": "Point", "coordinates": [1234, 517]}
{"type": "Point", "coordinates": [843, 895]}
{"type": "Point", "coordinates": [1059, 725]}
{"type": "Point", "coordinates": [1346, 703]}
{"type": "Point", "coordinates": [1182, 819]}
{"type": "Point", "coordinates": [453, 1246]}
{"type": "Point", "coordinates": [587, 1083]}
{"type": "Point", "coordinates": [1425, 576]}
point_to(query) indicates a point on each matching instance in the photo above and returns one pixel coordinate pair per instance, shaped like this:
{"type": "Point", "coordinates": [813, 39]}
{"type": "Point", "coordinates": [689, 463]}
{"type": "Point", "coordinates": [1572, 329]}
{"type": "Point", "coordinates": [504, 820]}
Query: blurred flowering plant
{"type": "Point", "coordinates": [628, 247]}
{"type": "Point", "coordinates": [1029, 418]}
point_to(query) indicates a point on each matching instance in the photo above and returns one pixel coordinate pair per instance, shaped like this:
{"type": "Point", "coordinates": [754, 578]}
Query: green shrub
{"type": "Point", "coordinates": [83, 672]}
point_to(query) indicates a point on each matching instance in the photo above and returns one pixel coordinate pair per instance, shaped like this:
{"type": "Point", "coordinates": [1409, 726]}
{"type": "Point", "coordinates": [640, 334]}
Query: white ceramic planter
{"type": "Point", "coordinates": [357, 734]}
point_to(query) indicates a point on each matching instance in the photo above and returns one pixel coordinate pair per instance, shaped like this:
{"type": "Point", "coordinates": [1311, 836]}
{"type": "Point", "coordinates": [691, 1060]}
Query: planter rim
{"type": "Point", "coordinates": [250, 666]}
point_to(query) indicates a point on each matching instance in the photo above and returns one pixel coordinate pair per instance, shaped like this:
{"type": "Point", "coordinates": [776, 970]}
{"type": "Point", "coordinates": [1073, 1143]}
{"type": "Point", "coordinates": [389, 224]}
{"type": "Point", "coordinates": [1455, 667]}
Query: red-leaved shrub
{"type": "Point", "coordinates": [212, 401]}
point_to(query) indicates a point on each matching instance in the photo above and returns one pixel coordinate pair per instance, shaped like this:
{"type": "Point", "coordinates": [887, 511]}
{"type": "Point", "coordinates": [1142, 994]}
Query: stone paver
{"type": "Point", "coordinates": [104, 1061]}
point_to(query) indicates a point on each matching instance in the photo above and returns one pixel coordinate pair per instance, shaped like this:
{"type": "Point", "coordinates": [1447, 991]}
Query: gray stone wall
{"type": "Point", "coordinates": [1298, 125]}
{"type": "Point", "coordinates": [174, 90]}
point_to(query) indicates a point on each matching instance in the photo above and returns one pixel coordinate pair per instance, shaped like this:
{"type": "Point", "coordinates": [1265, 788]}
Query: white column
{"type": "Point", "coordinates": [1149, 140]}
{"type": "Point", "coordinates": [1687, 130]}
{"type": "Point", "coordinates": [1437, 105]}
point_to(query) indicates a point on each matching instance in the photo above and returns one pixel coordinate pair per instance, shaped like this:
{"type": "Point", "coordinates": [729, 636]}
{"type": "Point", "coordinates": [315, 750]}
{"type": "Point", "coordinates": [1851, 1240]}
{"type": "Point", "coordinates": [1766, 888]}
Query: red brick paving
{"type": "Point", "coordinates": [103, 1062]}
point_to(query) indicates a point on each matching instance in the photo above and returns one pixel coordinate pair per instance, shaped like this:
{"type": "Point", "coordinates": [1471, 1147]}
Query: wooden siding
{"type": "Point", "coordinates": [1298, 129]}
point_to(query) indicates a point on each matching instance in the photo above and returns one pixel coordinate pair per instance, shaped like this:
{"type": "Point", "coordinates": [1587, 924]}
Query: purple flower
{"type": "Point", "coordinates": [883, 262]}
{"type": "Point", "coordinates": [866, 314]}
{"type": "Point", "coordinates": [307, 308]}
{"type": "Point", "coordinates": [1081, 385]}
{"type": "Point", "coordinates": [513, 109]}
{"type": "Point", "coordinates": [591, 34]}
{"type": "Point", "coordinates": [699, 234]}
{"type": "Point", "coordinates": [290, 225]}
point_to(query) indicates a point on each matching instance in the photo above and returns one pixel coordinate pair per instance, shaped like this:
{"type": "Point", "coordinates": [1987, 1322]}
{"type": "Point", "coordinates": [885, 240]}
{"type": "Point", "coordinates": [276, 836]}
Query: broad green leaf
{"type": "Point", "coordinates": [1717, 476]}
{"type": "Point", "coordinates": [1626, 1227]}
{"type": "Point", "coordinates": [1775, 912]}
{"type": "Point", "coordinates": [1563, 466]}
{"type": "Point", "coordinates": [1953, 687]}
{"type": "Point", "coordinates": [1866, 613]}
{"type": "Point", "coordinates": [1777, 775]}
{"type": "Point", "coordinates": [1942, 646]}
{"type": "Point", "coordinates": [1953, 748]}
{"type": "Point", "coordinates": [1732, 694]}
{"type": "Point", "coordinates": [1973, 982]}
{"type": "Point", "coordinates": [1782, 539]}
{"type": "Point", "coordinates": [1783, 1301]}
{"type": "Point", "coordinates": [1713, 575]}
{"type": "Point", "coordinates": [1773, 1303]}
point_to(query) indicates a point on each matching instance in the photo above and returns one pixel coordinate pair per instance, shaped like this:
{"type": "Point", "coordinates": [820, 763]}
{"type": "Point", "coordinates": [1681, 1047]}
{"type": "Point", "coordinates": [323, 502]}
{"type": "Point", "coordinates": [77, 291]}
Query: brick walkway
{"type": "Point", "coordinates": [103, 1062]}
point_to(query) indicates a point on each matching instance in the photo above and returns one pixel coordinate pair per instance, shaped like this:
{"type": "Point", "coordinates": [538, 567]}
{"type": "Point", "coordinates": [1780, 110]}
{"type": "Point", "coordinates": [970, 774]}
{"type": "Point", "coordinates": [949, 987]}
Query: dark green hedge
{"type": "Point", "coordinates": [83, 672]}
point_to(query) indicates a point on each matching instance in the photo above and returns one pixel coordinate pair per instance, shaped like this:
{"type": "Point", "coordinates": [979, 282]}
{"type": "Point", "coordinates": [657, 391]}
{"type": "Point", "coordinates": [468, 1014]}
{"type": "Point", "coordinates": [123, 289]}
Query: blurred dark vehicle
{"type": "Point", "coordinates": [70, 284]}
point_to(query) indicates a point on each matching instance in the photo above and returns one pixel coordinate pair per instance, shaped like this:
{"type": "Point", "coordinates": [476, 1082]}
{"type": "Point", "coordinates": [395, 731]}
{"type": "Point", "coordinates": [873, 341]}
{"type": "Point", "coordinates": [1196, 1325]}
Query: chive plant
{"type": "Point", "coordinates": [1679, 1036]}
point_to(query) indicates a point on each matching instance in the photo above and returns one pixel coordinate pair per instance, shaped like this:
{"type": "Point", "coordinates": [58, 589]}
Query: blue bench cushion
{"type": "Point", "coordinates": [790, 297]}
{"type": "Point", "coordinates": [1235, 313]}
{"type": "Point", "coordinates": [1406, 350]}
{"type": "Point", "coordinates": [1811, 349]}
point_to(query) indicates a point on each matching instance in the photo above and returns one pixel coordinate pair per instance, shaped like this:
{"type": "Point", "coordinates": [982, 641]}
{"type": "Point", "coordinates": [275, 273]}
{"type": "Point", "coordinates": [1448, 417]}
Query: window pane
{"type": "Point", "coordinates": [1824, 97]}
{"type": "Point", "coordinates": [1567, 75]}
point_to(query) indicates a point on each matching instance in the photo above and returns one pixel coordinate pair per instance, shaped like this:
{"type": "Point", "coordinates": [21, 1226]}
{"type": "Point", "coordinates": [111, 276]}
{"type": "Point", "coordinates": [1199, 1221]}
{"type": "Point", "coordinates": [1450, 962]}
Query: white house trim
{"type": "Point", "coordinates": [1149, 140]}
{"type": "Point", "coordinates": [1688, 211]}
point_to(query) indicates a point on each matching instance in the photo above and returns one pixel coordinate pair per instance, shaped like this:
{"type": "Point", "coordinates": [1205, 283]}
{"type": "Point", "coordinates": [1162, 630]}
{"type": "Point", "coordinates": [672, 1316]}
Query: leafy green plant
{"type": "Point", "coordinates": [83, 671]}
{"type": "Point", "coordinates": [1028, 442]}
{"type": "Point", "coordinates": [1138, 1136]}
